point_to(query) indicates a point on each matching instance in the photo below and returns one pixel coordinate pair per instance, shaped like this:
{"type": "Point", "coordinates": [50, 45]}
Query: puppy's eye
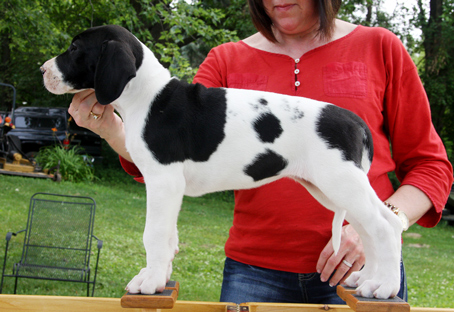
{"type": "Point", "coordinates": [72, 48]}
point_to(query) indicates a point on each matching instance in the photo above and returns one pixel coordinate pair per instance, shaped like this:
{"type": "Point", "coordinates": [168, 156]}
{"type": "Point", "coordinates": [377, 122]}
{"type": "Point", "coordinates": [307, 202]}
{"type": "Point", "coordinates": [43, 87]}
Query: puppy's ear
{"type": "Point", "coordinates": [115, 67]}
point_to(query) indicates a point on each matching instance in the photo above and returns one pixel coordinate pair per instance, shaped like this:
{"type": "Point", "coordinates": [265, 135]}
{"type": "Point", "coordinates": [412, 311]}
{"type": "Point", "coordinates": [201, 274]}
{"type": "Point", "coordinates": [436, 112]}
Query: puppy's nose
{"type": "Point", "coordinates": [42, 69]}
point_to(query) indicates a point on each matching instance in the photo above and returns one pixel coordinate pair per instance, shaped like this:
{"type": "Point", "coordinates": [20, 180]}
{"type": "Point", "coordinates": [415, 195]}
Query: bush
{"type": "Point", "coordinates": [73, 166]}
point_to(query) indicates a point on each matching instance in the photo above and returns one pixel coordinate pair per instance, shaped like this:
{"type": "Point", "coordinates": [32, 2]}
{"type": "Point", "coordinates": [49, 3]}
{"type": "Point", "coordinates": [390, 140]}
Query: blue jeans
{"type": "Point", "coordinates": [247, 283]}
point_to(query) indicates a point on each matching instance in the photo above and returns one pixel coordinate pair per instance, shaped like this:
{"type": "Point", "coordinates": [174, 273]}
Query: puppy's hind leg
{"type": "Point", "coordinates": [339, 214]}
{"type": "Point", "coordinates": [378, 228]}
{"type": "Point", "coordinates": [347, 187]}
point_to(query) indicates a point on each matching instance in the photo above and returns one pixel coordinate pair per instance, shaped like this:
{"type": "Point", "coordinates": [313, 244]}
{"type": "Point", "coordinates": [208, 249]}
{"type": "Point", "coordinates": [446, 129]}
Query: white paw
{"type": "Point", "coordinates": [381, 288]}
{"type": "Point", "coordinates": [367, 289]}
{"type": "Point", "coordinates": [372, 288]}
{"type": "Point", "coordinates": [386, 291]}
{"type": "Point", "coordinates": [149, 281]}
{"type": "Point", "coordinates": [352, 280]}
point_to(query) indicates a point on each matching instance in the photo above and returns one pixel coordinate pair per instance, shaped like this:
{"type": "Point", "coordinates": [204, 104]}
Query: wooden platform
{"type": "Point", "coordinates": [25, 303]}
{"type": "Point", "coordinates": [164, 300]}
{"type": "Point", "coordinates": [360, 304]}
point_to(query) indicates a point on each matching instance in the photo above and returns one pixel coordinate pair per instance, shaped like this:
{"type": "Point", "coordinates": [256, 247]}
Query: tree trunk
{"type": "Point", "coordinates": [5, 74]}
{"type": "Point", "coordinates": [432, 34]}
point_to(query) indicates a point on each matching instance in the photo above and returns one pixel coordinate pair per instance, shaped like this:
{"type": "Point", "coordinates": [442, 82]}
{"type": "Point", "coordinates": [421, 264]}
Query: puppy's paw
{"type": "Point", "coordinates": [386, 291]}
{"type": "Point", "coordinates": [352, 280]}
{"type": "Point", "coordinates": [367, 289]}
{"type": "Point", "coordinates": [378, 289]}
{"type": "Point", "coordinates": [148, 282]}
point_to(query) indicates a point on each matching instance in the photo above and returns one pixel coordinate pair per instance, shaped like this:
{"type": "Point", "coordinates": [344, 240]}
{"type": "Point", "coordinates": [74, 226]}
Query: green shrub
{"type": "Point", "coordinates": [73, 166]}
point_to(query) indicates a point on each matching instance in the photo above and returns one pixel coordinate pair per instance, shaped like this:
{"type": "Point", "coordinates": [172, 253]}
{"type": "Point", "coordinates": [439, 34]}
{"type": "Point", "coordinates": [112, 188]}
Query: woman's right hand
{"type": "Point", "coordinates": [108, 125]}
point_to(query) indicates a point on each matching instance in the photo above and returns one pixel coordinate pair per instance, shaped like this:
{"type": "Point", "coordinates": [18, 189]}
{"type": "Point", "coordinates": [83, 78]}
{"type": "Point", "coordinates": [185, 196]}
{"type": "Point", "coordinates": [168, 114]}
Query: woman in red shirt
{"type": "Point", "coordinates": [285, 255]}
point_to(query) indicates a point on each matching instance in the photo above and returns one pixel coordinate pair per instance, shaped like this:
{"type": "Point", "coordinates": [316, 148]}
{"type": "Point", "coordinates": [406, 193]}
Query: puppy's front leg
{"type": "Point", "coordinates": [164, 198]}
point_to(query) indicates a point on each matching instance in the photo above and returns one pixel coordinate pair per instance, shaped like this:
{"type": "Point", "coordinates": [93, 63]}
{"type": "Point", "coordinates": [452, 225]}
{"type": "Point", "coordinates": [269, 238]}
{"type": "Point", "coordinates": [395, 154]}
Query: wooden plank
{"type": "Point", "coordinates": [26, 303]}
{"type": "Point", "coordinates": [360, 304]}
{"type": "Point", "coordinates": [291, 307]}
{"type": "Point", "coordinates": [21, 303]}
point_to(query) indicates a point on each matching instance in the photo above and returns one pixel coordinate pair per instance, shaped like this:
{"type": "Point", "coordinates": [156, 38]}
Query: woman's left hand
{"type": "Point", "coordinates": [349, 259]}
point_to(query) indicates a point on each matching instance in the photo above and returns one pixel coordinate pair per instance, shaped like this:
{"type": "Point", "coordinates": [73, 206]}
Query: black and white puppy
{"type": "Point", "coordinates": [191, 140]}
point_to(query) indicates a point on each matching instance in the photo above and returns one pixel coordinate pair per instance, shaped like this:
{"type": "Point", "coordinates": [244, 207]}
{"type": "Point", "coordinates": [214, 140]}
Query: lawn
{"type": "Point", "coordinates": [203, 228]}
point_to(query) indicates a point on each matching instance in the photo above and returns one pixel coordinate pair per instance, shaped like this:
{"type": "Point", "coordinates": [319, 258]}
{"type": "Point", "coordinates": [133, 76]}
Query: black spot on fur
{"type": "Point", "coordinates": [263, 102]}
{"type": "Point", "coordinates": [268, 127]}
{"type": "Point", "coordinates": [266, 165]}
{"type": "Point", "coordinates": [185, 122]}
{"type": "Point", "coordinates": [298, 114]}
{"type": "Point", "coordinates": [346, 131]}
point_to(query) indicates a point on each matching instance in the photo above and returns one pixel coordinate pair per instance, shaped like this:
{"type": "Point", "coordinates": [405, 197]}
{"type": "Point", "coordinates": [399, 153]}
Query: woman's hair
{"type": "Point", "coordinates": [327, 11]}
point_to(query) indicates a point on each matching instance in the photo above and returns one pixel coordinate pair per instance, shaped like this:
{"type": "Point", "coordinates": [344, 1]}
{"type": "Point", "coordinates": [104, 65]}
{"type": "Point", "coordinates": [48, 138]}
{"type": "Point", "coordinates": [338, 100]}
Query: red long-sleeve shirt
{"type": "Point", "coordinates": [279, 225]}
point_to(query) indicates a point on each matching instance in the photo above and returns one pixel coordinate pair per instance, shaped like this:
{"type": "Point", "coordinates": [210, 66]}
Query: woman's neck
{"type": "Point", "coordinates": [296, 45]}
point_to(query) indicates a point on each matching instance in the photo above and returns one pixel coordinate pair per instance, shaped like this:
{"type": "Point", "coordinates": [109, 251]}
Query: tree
{"type": "Point", "coordinates": [181, 33]}
{"type": "Point", "coordinates": [32, 31]}
{"type": "Point", "coordinates": [437, 71]}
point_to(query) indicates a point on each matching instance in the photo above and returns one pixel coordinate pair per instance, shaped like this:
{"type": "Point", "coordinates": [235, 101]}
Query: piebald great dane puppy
{"type": "Point", "coordinates": [191, 140]}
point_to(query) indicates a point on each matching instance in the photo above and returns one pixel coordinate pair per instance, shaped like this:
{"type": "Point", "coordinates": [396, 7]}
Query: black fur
{"type": "Point", "coordinates": [107, 69]}
{"type": "Point", "coordinates": [268, 127]}
{"type": "Point", "coordinates": [263, 102]}
{"type": "Point", "coordinates": [344, 130]}
{"type": "Point", "coordinates": [185, 122]}
{"type": "Point", "coordinates": [298, 114]}
{"type": "Point", "coordinates": [266, 165]}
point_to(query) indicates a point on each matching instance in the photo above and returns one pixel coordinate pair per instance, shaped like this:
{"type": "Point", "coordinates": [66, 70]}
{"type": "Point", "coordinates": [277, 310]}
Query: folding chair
{"type": "Point", "coordinates": [58, 241]}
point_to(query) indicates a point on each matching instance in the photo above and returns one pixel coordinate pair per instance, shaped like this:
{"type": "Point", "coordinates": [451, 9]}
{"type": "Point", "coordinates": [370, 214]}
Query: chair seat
{"type": "Point", "coordinates": [52, 273]}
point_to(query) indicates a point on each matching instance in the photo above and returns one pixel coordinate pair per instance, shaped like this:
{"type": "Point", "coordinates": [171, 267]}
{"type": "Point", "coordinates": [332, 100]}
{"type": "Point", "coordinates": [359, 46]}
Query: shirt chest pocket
{"type": "Point", "coordinates": [247, 81]}
{"type": "Point", "coordinates": [345, 79]}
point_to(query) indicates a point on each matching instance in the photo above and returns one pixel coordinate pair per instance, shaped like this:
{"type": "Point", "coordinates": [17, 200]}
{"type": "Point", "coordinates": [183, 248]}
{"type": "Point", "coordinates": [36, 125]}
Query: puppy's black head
{"type": "Point", "coordinates": [105, 58]}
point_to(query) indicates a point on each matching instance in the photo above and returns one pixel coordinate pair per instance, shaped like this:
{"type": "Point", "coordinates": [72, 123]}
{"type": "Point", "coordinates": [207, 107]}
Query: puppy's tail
{"type": "Point", "coordinates": [338, 221]}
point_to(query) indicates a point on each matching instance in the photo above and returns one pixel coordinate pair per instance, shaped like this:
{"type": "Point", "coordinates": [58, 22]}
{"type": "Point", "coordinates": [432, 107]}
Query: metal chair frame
{"type": "Point", "coordinates": [33, 262]}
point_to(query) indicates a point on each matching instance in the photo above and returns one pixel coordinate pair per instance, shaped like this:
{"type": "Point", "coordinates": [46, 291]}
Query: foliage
{"type": "Point", "coordinates": [182, 32]}
{"type": "Point", "coordinates": [33, 31]}
{"type": "Point", "coordinates": [437, 70]}
{"type": "Point", "coordinates": [73, 166]}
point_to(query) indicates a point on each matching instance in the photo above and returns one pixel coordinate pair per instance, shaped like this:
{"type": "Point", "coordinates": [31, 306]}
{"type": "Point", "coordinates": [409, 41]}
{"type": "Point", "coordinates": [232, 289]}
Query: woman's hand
{"type": "Point", "coordinates": [351, 253]}
{"type": "Point", "coordinates": [85, 107]}
{"type": "Point", "coordinates": [101, 119]}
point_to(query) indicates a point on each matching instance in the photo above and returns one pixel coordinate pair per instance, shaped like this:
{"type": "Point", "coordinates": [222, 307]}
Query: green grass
{"type": "Point", "coordinates": [120, 218]}
{"type": "Point", "coordinates": [203, 228]}
{"type": "Point", "coordinates": [429, 261]}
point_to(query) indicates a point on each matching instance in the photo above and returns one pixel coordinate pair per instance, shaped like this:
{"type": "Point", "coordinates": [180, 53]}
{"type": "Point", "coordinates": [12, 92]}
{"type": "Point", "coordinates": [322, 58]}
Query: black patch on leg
{"type": "Point", "coordinates": [266, 165]}
{"type": "Point", "coordinates": [185, 122]}
{"type": "Point", "coordinates": [346, 131]}
{"type": "Point", "coordinates": [268, 127]}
